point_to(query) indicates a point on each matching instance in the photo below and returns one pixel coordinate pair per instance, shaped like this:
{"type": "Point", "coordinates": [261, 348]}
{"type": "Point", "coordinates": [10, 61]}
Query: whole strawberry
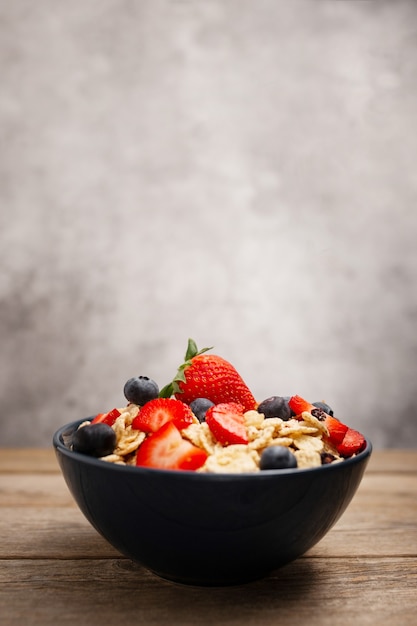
{"type": "Point", "coordinates": [208, 376]}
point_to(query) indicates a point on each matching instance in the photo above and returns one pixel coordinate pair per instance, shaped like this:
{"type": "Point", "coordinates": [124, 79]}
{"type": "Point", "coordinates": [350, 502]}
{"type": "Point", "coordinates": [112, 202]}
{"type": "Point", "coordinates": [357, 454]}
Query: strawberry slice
{"type": "Point", "coordinates": [299, 405]}
{"type": "Point", "coordinates": [166, 449]}
{"type": "Point", "coordinates": [159, 411]}
{"type": "Point", "coordinates": [227, 423]}
{"type": "Point", "coordinates": [107, 418]}
{"type": "Point", "coordinates": [337, 430]}
{"type": "Point", "coordinates": [346, 440]}
{"type": "Point", "coordinates": [352, 442]}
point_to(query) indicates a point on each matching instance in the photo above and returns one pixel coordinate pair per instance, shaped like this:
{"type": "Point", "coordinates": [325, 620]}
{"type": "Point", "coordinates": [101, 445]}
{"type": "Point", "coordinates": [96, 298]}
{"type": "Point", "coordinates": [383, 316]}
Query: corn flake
{"type": "Point", "coordinates": [304, 442]}
{"type": "Point", "coordinates": [200, 435]}
{"type": "Point", "coordinates": [235, 459]}
{"type": "Point", "coordinates": [307, 458]}
{"type": "Point", "coordinates": [306, 437]}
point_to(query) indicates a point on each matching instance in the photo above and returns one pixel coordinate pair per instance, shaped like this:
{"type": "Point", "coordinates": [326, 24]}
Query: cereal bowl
{"type": "Point", "coordinates": [209, 529]}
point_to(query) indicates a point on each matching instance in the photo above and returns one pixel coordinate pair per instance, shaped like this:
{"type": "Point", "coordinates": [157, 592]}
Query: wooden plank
{"type": "Point", "coordinates": [58, 569]}
{"type": "Point", "coordinates": [24, 460]}
{"type": "Point", "coordinates": [370, 501]}
{"type": "Point", "coordinates": [48, 523]}
{"type": "Point", "coordinates": [393, 461]}
{"type": "Point", "coordinates": [369, 526]}
{"type": "Point", "coordinates": [310, 591]}
{"type": "Point", "coordinates": [42, 460]}
{"type": "Point", "coordinates": [54, 533]}
{"type": "Point", "coordinates": [34, 490]}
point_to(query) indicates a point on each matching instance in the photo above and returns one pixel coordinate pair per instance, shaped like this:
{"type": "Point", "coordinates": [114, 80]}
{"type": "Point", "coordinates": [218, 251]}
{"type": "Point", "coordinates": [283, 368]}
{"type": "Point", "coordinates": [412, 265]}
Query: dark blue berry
{"type": "Point", "coordinates": [276, 406]}
{"type": "Point", "coordinates": [199, 407]}
{"type": "Point", "coordinates": [277, 457]}
{"type": "Point", "coordinates": [287, 399]}
{"type": "Point", "coordinates": [95, 440]}
{"type": "Point", "coordinates": [324, 407]}
{"type": "Point", "coordinates": [140, 390]}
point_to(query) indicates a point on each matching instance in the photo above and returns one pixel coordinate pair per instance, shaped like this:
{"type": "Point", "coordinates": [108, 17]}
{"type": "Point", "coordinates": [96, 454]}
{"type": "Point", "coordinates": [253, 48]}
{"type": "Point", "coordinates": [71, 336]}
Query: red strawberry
{"type": "Point", "coordinates": [157, 412]}
{"type": "Point", "coordinates": [107, 418]}
{"type": "Point", "coordinates": [299, 405]}
{"type": "Point", "coordinates": [352, 443]}
{"type": "Point", "coordinates": [336, 429]}
{"type": "Point", "coordinates": [166, 449]}
{"type": "Point", "coordinates": [211, 377]}
{"type": "Point", "coordinates": [227, 423]}
{"type": "Point", "coordinates": [346, 440]}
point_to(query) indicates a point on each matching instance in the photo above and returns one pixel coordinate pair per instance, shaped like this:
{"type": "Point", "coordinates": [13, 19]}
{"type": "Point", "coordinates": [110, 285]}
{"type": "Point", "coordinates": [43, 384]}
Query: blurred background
{"type": "Point", "coordinates": [239, 172]}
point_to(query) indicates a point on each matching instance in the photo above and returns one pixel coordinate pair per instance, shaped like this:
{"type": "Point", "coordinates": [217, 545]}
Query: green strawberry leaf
{"type": "Point", "coordinates": [193, 351]}
{"type": "Point", "coordinates": [167, 391]}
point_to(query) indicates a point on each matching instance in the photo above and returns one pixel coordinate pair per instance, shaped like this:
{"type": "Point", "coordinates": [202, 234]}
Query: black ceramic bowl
{"type": "Point", "coordinates": [209, 529]}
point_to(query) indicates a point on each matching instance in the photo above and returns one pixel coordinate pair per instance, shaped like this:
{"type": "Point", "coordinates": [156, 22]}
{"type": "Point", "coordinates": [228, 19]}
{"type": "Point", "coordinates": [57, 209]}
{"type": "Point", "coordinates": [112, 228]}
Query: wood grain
{"type": "Point", "coordinates": [24, 460]}
{"type": "Point", "coordinates": [38, 514]}
{"type": "Point", "coordinates": [56, 569]}
{"type": "Point", "coordinates": [318, 592]}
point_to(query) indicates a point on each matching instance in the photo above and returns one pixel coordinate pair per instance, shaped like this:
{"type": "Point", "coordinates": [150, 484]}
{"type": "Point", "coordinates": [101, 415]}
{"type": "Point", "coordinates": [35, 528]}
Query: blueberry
{"type": "Point", "coordinates": [288, 398]}
{"type": "Point", "coordinates": [140, 390]}
{"type": "Point", "coordinates": [276, 406]}
{"type": "Point", "coordinates": [324, 407]}
{"type": "Point", "coordinates": [199, 407]}
{"type": "Point", "coordinates": [95, 440]}
{"type": "Point", "coordinates": [277, 457]}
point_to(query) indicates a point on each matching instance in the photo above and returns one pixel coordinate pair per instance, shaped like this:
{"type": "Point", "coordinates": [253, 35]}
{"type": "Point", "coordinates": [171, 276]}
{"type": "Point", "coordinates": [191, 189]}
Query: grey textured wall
{"type": "Point", "coordinates": [241, 172]}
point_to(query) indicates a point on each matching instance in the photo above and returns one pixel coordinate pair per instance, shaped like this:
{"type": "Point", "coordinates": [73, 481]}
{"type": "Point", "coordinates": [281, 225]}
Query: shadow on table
{"type": "Point", "coordinates": [279, 593]}
{"type": "Point", "coordinates": [104, 590]}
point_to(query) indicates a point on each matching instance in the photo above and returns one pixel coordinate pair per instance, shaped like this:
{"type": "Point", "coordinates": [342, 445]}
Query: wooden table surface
{"type": "Point", "coordinates": [55, 568]}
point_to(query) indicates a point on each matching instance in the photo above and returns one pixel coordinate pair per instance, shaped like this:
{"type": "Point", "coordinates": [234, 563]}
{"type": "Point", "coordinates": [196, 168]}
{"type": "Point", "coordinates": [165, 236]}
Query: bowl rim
{"type": "Point", "coordinates": [60, 446]}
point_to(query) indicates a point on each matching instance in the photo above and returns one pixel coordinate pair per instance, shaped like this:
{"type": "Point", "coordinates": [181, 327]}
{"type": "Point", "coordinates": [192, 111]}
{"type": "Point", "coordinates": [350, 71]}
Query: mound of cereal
{"type": "Point", "coordinates": [207, 420]}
